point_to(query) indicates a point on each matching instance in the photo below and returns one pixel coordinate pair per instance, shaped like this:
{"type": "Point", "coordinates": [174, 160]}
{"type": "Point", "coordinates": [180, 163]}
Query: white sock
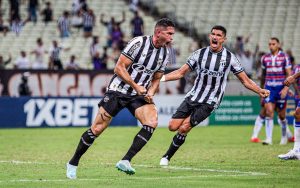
{"type": "Point", "coordinates": [283, 125]}
{"type": "Point", "coordinates": [257, 126]}
{"type": "Point", "coordinates": [297, 136]}
{"type": "Point", "coordinates": [269, 128]}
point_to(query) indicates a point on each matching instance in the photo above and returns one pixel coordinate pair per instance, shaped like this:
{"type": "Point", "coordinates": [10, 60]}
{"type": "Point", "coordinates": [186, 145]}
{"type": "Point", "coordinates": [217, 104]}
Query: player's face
{"type": "Point", "coordinates": [216, 40]}
{"type": "Point", "coordinates": [274, 46]}
{"type": "Point", "coordinates": [165, 36]}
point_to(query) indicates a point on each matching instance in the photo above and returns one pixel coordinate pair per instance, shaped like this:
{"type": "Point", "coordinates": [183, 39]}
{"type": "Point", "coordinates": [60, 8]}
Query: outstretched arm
{"type": "Point", "coordinates": [291, 79]}
{"type": "Point", "coordinates": [177, 74]}
{"type": "Point", "coordinates": [249, 84]}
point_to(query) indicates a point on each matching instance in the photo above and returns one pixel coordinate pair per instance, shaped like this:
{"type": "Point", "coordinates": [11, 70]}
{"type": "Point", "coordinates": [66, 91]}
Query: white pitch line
{"type": "Point", "coordinates": [123, 178]}
{"type": "Point", "coordinates": [149, 166]}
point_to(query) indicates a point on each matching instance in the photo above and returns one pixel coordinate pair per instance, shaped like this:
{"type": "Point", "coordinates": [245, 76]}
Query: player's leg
{"type": "Point", "coordinates": [258, 125]}
{"type": "Point", "coordinates": [108, 107]}
{"type": "Point", "coordinates": [87, 138]}
{"type": "Point", "coordinates": [182, 126]}
{"type": "Point", "coordinates": [198, 114]}
{"type": "Point", "coordinates": [269, 123]}
{"type": "Point", "coordinates": [295, 152]}
{"type": "Point", "coordinates": [281, 110]}
{"type": "Point", "coordinates": [147, 115]}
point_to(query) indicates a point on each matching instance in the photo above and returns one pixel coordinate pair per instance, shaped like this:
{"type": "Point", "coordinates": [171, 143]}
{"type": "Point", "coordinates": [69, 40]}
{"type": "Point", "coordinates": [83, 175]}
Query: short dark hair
{"type": "Point", "coordinates": [165, 22]}
{"type": "Point", "coordinates": [219, 27]}
{"type": "Point", "coordinates": [275, 38]}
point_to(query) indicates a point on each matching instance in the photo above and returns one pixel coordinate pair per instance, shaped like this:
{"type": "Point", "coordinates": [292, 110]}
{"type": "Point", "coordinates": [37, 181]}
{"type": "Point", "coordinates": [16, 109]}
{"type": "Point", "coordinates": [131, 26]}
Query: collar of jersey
{"type": "Point", "coordinates": [216, 52]}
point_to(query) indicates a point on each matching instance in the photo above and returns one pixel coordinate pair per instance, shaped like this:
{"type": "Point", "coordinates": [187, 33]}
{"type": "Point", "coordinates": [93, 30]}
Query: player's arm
{"type": "Point", "coordinates": [291, 79]}
{"type": "Point", "coordinates": [176, 74]}
{"type": "Point", "coordinates": [154, 86]}
{"type": "Point", "coordinates": [121, 70]}
{"type": "Point", "coordinates": [251, 85]}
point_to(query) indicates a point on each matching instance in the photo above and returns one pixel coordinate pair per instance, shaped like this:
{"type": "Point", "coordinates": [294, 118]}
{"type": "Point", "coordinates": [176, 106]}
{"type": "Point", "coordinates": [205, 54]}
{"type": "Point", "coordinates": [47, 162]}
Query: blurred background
{"type": "Point", "coordinates": [68, 48]}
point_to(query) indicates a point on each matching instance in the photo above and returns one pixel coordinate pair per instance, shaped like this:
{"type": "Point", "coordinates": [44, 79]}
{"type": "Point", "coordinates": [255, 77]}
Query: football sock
{"type": "Point", "coordinates": [269, 128]}
{"type": "Point", "coordinates": [142, 137]}
{"type": "Point", "coordinates": [283, 125]}
{"type": "Point", "coordinates": [178, 140]}
{"type": "Point", "coordinates": [85, 142]}
{"type": "Point", "coordinates": [297, 136]}
{"type": "Point", "coordinates": [257, 126]}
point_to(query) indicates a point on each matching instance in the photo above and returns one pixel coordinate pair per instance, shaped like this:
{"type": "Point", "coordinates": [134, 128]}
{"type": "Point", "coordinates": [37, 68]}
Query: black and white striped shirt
{"type": "Point", "coordinates": [146, 60]}
{"type": "Point", "coordinates": [55, 53]}
{"type": "Point", "coordinates": [88, 20]}
{"type": "Point", "coordinates": [64, 24]}
{"type": "Point", "coordinates": [212, 71]}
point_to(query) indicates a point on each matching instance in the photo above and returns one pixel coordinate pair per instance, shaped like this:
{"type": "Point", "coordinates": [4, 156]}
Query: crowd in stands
{"type": "Point", "coordinates": [80, 18]}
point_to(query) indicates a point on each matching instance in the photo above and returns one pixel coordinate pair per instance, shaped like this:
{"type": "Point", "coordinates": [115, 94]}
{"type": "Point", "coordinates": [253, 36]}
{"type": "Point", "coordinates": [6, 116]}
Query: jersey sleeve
{"type": "Point", "coordinates": [236, 66]}
{"type": "Point", "coordinates": [288, 63]}
{"type": "Point", "coordinates": [132, 48]}
{"type": "Point", "coordinates": [192, 60]}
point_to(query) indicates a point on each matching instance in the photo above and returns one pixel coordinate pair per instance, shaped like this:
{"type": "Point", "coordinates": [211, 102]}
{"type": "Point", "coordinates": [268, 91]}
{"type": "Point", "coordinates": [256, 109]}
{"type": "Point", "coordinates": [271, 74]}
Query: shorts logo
{"type": "Point", "coordinates": [106, 99]}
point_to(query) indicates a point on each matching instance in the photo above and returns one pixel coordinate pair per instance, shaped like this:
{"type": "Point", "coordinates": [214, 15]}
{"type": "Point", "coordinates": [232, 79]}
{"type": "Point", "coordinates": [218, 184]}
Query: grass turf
{"type": "Point", "coordinates": [211, 157]}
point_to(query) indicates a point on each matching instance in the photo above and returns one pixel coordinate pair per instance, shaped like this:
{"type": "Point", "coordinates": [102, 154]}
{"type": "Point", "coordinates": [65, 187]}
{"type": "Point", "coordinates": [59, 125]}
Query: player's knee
{"type": "Point", "coordinates": [98, 129]}
{"type": "Point", "coordinates": [172, 126]}
{"type": "Point", "coordinates": [184, 129]}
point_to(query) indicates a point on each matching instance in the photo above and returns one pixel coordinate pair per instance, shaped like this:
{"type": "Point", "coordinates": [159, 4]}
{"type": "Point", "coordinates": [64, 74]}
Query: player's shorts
{"type": "Point", "coordinates": [113, 102]}
{"type": "Point", "coordinates": [87, 28]}
{"type": "Point", "coordinates": [197, 111]}
{"type": "Point", "coordinates": [275, 98]}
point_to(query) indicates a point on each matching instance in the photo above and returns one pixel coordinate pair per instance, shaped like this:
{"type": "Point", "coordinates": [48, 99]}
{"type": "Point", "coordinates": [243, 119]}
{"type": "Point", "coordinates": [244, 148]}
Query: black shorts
{"type": "Point", "coordinates": [197, 111]}
{"type": "Point", "coordinates": [113, 102]}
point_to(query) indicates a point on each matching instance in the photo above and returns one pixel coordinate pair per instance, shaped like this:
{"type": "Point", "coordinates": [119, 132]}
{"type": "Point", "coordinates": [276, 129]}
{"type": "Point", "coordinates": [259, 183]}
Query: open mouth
{"type": "Point", "coordinates": [214, 43]}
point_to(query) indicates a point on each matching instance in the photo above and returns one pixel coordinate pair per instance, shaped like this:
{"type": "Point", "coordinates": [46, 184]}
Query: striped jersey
{"type": "Point", "coordinates": [296, 69]}
{"type": "Point", "coordinates": [274, 67]}
{"type": "Point", "coordinates": [146, 60]}
{"type": "Point", "coordinates": [212, 72]}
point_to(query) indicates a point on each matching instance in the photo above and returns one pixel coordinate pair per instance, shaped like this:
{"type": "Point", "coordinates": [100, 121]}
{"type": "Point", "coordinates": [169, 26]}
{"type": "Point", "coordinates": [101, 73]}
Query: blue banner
{"type": "Point", "coordinates": [55, 112]}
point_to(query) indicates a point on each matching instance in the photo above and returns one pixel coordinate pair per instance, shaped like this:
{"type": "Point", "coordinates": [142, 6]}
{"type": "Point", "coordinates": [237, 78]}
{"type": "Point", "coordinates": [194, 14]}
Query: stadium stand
{"type": "Point", "coordinates": [79, 46]}
{"type": "Point", "coordinates": [259, 19]}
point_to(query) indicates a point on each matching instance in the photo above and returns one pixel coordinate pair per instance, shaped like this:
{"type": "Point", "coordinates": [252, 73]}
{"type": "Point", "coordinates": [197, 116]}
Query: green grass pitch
{"type": "Point", "coordinates": [214, 156]}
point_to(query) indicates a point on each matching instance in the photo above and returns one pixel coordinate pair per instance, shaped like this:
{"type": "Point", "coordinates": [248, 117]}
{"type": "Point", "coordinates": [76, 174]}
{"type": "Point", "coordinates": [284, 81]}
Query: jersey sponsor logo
{"type": "Point", "coordinates": [274, 69]}
{"type": "Point", "coordinates": [211, 73]}
{"type": "Point", "coordinates": [142, 69]}
{"type": "Point", "coordinates": [133, 48]}
{"type": "Point", "coordinates": [274, 83]}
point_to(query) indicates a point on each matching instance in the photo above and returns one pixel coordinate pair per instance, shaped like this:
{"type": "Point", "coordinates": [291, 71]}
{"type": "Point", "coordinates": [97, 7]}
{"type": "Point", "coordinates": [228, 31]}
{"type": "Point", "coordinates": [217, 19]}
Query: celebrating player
{"type": "Point", "coordinates": [213, 64]}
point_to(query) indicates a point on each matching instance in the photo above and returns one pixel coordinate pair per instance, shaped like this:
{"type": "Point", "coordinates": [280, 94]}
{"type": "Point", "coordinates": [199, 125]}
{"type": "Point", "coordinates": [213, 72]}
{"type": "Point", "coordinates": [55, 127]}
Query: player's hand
{"type": "Point", "coordinates": [264, 93]}
{"type": "Point", "coordinates": [289, 80]}
{"type": "Point", "coordinates": [291, 93]}
{"type": "Point", "coordinates": [149, 98]}
{"type": "Point", "coordinates": [284, 92]}
{"type": "Point", "coordinates": [140, 90]}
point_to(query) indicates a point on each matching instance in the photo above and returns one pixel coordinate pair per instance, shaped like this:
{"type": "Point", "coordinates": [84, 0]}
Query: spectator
{"type": "Point", "coordinates": [77, 21]}
{"type": "Point", "coordinates": [17, 25]}
{"type": "Point", "coordinates": [88, 22]}
{"type": "Point", "coordinates": [110, 24]}
{"type": "Point", "coordinates": [137, 25]}
{"type": "Point", "coordinates": [14, 10]}
{"type": "Point", "coordinates": [39, 55]}
{"type": "Point", "coordinates": [98, 62]}
{"type": "Point", "coordinates": [240, 44]}
{"type": "Point", "coordinates": [23, 88]}
{"type": "Point", "coordinates": [54, 60]}
{"type": "Point", "coordinates": [117, 37]}
{"type": "Point", "coordinates": [94, 47]}
{"type": "Point", "coordinates": [47, 13]}
{"type": "Point", "coordinates": [22, 62]}
{"type": "Point", "coordinates": [64, 25]}
{"type": "Point", "coordinates": [134, 5]}
{"type": "Point", "coordinates": [247, 61]}
{"type": "Point", "coordinates": [291, 56]}
{"type": "Point", "coordinates": [173, 53]}
{"type": "Point", "coordinates": [33, 5]}
{"type": "Point", "coordinates": [72, 64]}
{"type": "Point", "coordinates": [3, 28]}
{"type": "Point", "coordinates": [4, 63]}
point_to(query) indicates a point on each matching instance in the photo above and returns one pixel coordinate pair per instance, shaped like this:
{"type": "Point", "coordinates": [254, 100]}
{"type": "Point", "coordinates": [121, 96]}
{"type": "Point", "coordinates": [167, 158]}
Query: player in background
{"type": "Point", "coordinates": [276, 68]}
{"type": "Point", "coordinates": [212, 64]}
{"type": "Point", "coordinates": [137, 75]}
{"type": "Point", "coordinates": [295, 152]}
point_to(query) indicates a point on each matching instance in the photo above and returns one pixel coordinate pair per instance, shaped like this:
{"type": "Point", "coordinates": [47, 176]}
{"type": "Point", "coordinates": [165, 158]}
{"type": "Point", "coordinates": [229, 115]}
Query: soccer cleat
{"type": "Point", "coordinates": [255, 140]}
{"type": "Point", "coordinates": [283, 140]}
{"type": "Point", "coordinates": [164, 162]}
{"type": "Point", "coordinates": [124, 166]}
{"type": "Point", "coordinates": [292, 154]}
{"type": "Point", "coordinates": [291, 139]}
{"type": "Point", "coordinates": [71, 171]}
{"type": "Point", "coordinates": [267, 142]}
